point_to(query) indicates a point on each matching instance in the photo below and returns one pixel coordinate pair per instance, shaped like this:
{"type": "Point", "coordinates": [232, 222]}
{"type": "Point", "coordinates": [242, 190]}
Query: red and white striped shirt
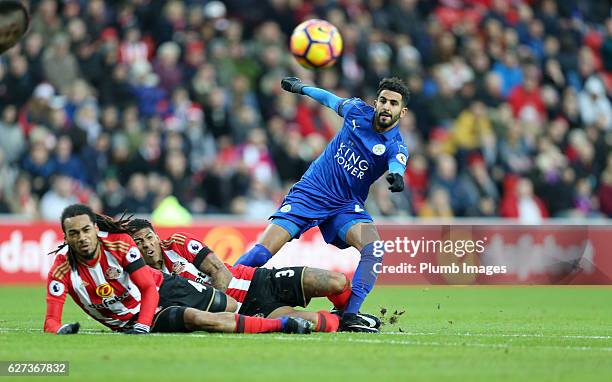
{"type": "Point", "coordinates": [103, 289]}
{"type": "Point", "coordinates": [179, 252]}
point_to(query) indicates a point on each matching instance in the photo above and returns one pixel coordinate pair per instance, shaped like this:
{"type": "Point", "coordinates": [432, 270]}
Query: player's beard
{"type": "Point", "coordinates": [91, 254]}
{"type": "Point", "coordinates": [382, 125]}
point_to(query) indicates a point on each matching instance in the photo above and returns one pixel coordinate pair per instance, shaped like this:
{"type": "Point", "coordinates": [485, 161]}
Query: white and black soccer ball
{"type": "Point", "coordinates": [14, 23]}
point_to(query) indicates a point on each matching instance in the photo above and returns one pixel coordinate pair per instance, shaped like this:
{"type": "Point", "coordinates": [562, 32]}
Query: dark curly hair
{"type": "Point", "coordinates": [395, 85]}
{"type": "Point", "coordinates": [136, 225]}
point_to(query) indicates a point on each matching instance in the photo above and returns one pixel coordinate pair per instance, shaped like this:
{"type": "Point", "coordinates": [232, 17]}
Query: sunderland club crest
{"type": "Point", "coordinates": [112, 273]}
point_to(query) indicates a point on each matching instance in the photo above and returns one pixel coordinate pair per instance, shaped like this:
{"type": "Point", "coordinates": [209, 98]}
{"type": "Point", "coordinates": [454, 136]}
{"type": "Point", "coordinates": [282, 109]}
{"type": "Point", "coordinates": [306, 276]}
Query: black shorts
{"type": "Point", "coordinates": [179, 291]}
{"type": "Point", "coordinates": [170, 320]}
{"type": "Point", "coordinates": [273, 288]}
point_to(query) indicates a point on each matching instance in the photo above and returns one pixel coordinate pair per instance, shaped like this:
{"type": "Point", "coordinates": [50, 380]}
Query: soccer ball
{"type": "Point", "coordinates": [14, 22]}
{"type": "Point", "coordinates": [316, 44]}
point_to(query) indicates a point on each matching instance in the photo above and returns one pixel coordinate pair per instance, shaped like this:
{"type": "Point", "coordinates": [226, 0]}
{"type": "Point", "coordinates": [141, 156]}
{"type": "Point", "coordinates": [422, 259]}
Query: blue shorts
{"type": "Point", "coordinates": [299, 213]}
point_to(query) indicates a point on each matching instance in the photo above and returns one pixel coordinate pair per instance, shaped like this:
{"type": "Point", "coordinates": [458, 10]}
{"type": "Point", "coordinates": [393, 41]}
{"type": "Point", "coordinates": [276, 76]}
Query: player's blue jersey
{"type": "Point", "coordinates": [355, 158]}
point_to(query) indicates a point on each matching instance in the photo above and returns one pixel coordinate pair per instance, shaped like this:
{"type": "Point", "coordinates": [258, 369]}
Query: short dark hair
{"type": "Point", "coordinates": [136, 225]}
{"type": "Point", "coordinates": [395, 85]}
{"type": "Point", "coordinates": [76, 210]}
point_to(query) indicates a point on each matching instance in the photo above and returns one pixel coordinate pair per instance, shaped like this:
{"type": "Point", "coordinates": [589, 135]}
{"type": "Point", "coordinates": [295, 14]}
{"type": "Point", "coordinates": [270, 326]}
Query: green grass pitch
{"type": "Point", "coordinates": [446, 334]}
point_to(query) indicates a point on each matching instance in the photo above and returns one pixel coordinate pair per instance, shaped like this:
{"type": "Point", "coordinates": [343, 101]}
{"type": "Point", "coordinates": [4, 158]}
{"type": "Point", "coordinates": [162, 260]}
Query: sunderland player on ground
{"type": "Point", "coordinates": [105, 274]}
{"type": "Point", "coordinates": [264, 292]}
{"type": "Point", "coordinates": [332, 193]}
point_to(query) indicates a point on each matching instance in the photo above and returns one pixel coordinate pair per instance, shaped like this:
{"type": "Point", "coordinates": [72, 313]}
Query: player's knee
{"type": "Point", "coordinates": [338, 282]}
{"type": "Point", "coordinates": [362, 234]}
{"type": "Point", "coordinates": [232, 304]}
{"type": "Point", "coordinates": [370, 235]}
{"type": "Point", "coordinates": [200, 320]}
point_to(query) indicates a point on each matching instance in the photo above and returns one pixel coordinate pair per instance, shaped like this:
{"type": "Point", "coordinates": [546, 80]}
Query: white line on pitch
{"type": "Point", "coordinates": [338, 338]}
{"type": "Point", "coordinates": [407, 334]}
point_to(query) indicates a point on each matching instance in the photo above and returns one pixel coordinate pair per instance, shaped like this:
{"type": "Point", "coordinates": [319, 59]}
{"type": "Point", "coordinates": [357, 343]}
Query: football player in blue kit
{"type": "Point", "coordinates": [332, 192]}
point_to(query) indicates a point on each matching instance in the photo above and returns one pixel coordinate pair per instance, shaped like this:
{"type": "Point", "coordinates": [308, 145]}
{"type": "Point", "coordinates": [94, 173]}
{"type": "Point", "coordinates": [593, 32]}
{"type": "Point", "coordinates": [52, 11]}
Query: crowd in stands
{"type": "Point", "coordinates": [121, 104]}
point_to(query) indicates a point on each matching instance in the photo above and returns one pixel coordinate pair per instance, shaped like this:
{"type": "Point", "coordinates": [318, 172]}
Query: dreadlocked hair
{"type": "Point", "coordinates": [107, 224]}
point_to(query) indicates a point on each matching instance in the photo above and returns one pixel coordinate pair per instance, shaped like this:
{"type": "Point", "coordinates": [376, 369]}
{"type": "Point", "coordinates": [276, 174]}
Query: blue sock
{"type": "Point", "coordinates": [256, 257]}
{"type": "Point", "coordinates": [364, 278]}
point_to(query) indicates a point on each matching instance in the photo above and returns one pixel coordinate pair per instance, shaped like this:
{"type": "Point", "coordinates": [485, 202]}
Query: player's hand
{"type": "Point", "coordinates": [292, 84]}
{"type": "Point", "coordinates": [69, 328]}
{"type": "Point", "coordinates": [396, 182]}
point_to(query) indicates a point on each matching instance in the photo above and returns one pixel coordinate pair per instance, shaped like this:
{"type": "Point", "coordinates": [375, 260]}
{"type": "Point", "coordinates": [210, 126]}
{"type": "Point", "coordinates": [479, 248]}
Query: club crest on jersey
{"type": "Point", "coordinates": [194, 247]}
{"type": "Point", "coordinates": [286, 208]}
{"type": "Point", "coordinates": [178, 267]}
{"type": "Point", "coordinates": [112, 273]}
{"type": "Point", "coordinates": [401, 158]}
{"type": "Point", "coordinates": [105, 290]}
{"type": "Point", "coordinates": [132, 255]}
{"type": "Point", "coordinates": [56, 288]}
{"type": "Point", "coordinates": [379, 149]}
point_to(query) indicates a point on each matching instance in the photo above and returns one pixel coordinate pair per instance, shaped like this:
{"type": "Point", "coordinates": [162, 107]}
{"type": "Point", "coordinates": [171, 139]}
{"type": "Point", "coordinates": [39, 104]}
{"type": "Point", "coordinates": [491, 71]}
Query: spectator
{"type": "Point", "coordinates": [525, 99]}
{"type": "Point", "coordinates": [520, 202]}
{"type": "Point", "coordinates": [139, 199]}
{"type": "Point", "coordinates": [469, 128]}
{"type": "Point", "coordinates": [166, 66]}
{"type": "Point", "coordinates": [65, 162]}
{"type": "Point", "coordinates": [480, 190]}
{"type": "Point", "coordinates": [446, 178]}
{"type": "Point", "coordinates": [605, 189]}
{"type": "Point", "coordinates": [606, 47]}
{"type": "Point", "coordinates": [595, 107]}
{"type": "Point", "coordinates": [21, 200]}
{"type": "Point", "coordinates": [12, 143]}
{"type": "Point", "coordinates": [57, 198]}
{"type": "Point", "coordinates": [60, 66]}
{"type": "Point", "coordinates": [437, 205]}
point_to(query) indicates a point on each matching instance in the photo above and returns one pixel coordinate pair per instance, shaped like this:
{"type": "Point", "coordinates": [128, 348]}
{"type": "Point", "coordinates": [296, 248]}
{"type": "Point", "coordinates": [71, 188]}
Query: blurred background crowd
{"type": "Point", "coordinates": [121, 104]}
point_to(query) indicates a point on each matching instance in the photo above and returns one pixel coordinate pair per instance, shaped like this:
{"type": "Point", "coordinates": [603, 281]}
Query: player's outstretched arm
{"type": "Point", "coordinates": [149, 300]}
{"type": "Point", "coordinates": [56, 297]}
{"type": "Point", "coordinates": [324, 97]}
{"type": "Point", "coordinates": [397, 167]}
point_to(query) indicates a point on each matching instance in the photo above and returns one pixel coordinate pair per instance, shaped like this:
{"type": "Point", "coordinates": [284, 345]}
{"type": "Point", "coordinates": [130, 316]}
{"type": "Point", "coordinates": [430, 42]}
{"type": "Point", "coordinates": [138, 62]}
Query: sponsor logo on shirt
{"type": "Point", "coordinates": [105, 290]}
{"type": "Point", "coordinates": [351, 161]}
{"type": "Point", "coordinates": [107, 302]}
